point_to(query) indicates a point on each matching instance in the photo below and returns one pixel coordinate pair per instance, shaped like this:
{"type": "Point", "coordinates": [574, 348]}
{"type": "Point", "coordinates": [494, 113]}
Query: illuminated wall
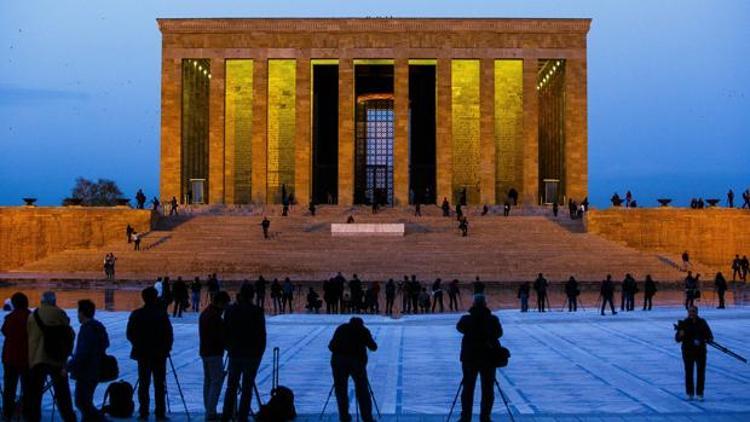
{"type": "Point", "coordinates": [508, 127]}
{"type": "Point", "coordinates": [195, 94]}
{"type": "Point", "coordinates": [238, 128]}
{"type": "Point", "coordinates": [465, 115]}
{"type": "Point", "coordinates": [281, 127]}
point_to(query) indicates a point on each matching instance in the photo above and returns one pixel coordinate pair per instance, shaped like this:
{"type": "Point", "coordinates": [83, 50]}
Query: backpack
{"type": "Point", "coordinates": [118, 400]}
{"type": "Point", "coordinates": [280, 407]}
{"type": "Point", "coordinates": [109, 370]}
{"type": "Point", "coordinates": [58, 339]}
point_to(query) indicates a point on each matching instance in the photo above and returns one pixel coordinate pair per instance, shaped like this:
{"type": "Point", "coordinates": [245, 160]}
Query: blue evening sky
{"type": "Point", "coordinates": [669, 104]}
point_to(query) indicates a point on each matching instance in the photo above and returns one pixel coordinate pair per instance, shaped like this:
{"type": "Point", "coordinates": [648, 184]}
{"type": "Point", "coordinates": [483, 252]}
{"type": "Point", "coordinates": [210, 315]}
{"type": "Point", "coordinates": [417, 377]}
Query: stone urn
{"type": "Point", "coordinates": [122, 202]}
{"type": "Point", "coordinates": [713, 202]}
{"type": "Point", "coordinates": [29, 201]}
{"type": "Point", "coordinates": [664, 202]}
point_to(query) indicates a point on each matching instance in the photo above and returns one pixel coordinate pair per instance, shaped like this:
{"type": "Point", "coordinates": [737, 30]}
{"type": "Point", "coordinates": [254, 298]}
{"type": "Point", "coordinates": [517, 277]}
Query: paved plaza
{"type": "Point", "coordinates": [564, 366]}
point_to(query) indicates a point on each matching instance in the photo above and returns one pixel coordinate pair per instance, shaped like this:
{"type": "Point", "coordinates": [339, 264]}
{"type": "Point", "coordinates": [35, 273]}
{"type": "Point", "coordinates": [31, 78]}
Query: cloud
{"type": "Point", "coordinates": [15, 96]}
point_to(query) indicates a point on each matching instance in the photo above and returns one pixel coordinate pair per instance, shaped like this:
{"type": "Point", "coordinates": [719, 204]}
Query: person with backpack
{"type": "Point", "coordinates": [245, 344]}
{"type": "Point", "coordinates": [50, 343]}
{"type": "Point", "coordinates": [212, 344]}
{"type": "Point", "coordinates": [86, 363]}
{"type": "Point", "coordinates": [348, 348]}
{"type": "Point", "coordinates": [481, 337]}
{"type": "Point", "coordinates": [150, 334]}
{"type": "Point", "coordinates": [15, 353]}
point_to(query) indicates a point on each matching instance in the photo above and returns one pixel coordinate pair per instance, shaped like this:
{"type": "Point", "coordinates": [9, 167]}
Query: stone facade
{"type": "Point", "coordinates": [711, 236]}
{"type": "Point", "coordinates": [481, 42]}
{"type": "Point", "coordinates": [31, 233]}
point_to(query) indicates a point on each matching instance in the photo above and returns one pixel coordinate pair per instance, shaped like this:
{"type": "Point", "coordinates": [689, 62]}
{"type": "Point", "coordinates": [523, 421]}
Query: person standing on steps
{"type": "Point", "coordinates": [265, 225]}
{"type": "Point", "coordinates": [446, 207]}
{"type": "Point", "coordinates": [173, 206]}
{"type": "Point", "coordinates": [720, 284]}
{"type": "Point", "coordinates": [607, 293]}
{"type": "Point", "coordinates": [572, 292]}
{"type": "Point", "coordinates": [555, 209]}
{"type": "Point", "coordinates": [649, 290]}
{"type": "Point", "coordinates": [694, 333]}
{"type": "Point", "coordinates": [540, 287]}
{"type": "Point", "coordinates": [463, 225]}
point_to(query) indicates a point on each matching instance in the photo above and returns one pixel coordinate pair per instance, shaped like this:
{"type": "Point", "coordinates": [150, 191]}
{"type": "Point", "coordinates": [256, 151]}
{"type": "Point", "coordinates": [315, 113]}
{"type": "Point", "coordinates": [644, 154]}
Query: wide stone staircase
{"type": "Point", "coordinates": [229, 241]}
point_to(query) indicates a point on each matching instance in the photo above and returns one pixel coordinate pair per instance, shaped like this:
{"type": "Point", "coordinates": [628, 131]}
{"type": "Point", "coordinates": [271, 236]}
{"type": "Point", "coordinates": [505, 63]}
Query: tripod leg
{"type": "Point", "coordinates": [455, 399]}
{"type": "Point", "coordinates": [179, 388]}
{"type": "Point", "coordinates": [326, 403]}
{"type": "Point", "coordinates": [375, 402]}
{"type": "Point", "coordinates": [505, 400]}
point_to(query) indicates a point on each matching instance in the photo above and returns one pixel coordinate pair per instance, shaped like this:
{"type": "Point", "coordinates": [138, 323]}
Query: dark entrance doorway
{"type": "Point", "coordinates": [325, 137]}
{"type": "Point", "coordinates": [422, 134]}
{"type": "Point", "coordinates": [373, 178]}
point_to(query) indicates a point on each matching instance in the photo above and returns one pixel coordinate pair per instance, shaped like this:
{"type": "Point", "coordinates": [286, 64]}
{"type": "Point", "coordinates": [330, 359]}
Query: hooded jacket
{"type": "Point", "coordinates": [51, 316]}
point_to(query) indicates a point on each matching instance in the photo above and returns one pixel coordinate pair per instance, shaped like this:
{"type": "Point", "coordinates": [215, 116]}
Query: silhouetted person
{"type": "Point", "coordinates": [195, 294]}
{"type": "Point", "coordinates": [607, 292]}
{"type": "Point", "coordinates": [43, 364]}
{"type": "Point", "coordinates": [313, 301]}
{"type": "Point", "coordinates": [616, 200]}
{"type": "Point", "coordinates": [485, 210]}
{"type": "Point", "coordinates": [136, 241]}
{"type": "Point", "coordinates": [694, 333]}
{"type": "Point", "coordinates": [506, 209]}
{"type": "Point", "coordinates": [417, 210]}
{"type": "Point", "coordinates": [155, 204]}
{"type": "Point", "coordinates": [572, 292]}
{"type": "Point", "coordinates": [86, 363]}
{"type": "Point", "coordinates": [540, 287]}
{"type": "Point", "coordinates": [745, 267]}
{"type": "Point", "coordinates": [288, 295]}
{"type": "Point", "coordinates": [649, 290]}
{"type": "Point", "coordinates": [276, 297]}
{"type": "Point", "coordinates": [15, 354]}
{"type": "Point", "coordinates": [524, 290]}
{"type": "Point", "coordinates": [746, 199]}
{"type": "Point", "coordinates": [555, 208]}
{"type": "Point", "coordinates": [453, 294]}
{"type": "Point", "coordinates": [350, 219]}
{"type": "Point", "coordinates": [736, 268]}
{"type": "Point", "coordinates": [628, 199]}
{"type": "Point", "coordinates": [446, 207]}
{"type": "Point", "coordinates": [692, 289]}
{"type": "Point", "coordinates": [349, 359]}
{"type": "Point", "coordinates": [629, 288]}
{"type": "Point", "coordinates": [685, 261]}
{"type": "Point", "coordinates": [212, 335]}
{"type": "Point", "coordinates": [720, 284]}
{"type": "Point", "coordinates": [140, 199]}
{"type": "Point", "coordinates": [265, 225]}
{"type": "Point", "coordinates": [730, 198]}
{"type": "Point", "coordinates": [150, 334]}
{"type": "Point", "coordinates": [260, 292]}
{"type": "Point", "coordinates": [129, 230]}
{"type": "Point", "coordinates": [463, 225]}
{"type": "Point", "coordinates": [513, 196]}
{"type": "Point", "coordinates": [180, 293]}
{"type": "Point", "coordinates": [246, 343]}
{"type": "Point", "coordinates": [390, 296]}
{"type": "Point", "coordinates": [481, 334]}
{"type": "Point", "coordinates": [414, 290]}
{"type": "Point", "coordinates": [437, 295]}
{"type": "Point", "coordinates": [173, 206]}
{"type": "Point", "coordinates": [478, 286]}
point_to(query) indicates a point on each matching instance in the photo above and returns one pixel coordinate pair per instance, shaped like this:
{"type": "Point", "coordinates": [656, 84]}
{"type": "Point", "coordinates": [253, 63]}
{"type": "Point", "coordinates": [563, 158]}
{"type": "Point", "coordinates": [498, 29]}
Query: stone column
{"type": "Point", "coordinates": [303, 140]}
{"type": "Point", "coordinates": [401, 132]}
{"type": "Point", "coordinates": [529, 194]}
{"type": "Point", "coordinates": [170, 183]}
{"type": "Point", "coordinates": [576, 131]}
{"type": "Point", "coordinates": [346, 132]}
{"type": "Point", "coordinates": [487, 148]}
{"type": "Point", "coordinates": [216, 133]}
{"type": "Point", "coordinates": [443, 146]}
{"type": "Point", "coordinates": [260, 122]}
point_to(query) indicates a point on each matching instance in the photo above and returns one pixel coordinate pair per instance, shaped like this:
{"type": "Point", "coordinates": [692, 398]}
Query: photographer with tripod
{"type": "Point", "coordinates": [349, 359]}
{"type": "Point", "coordinates": [482, 332]}
{"type": "Point", "coordinates": [694, 333]}
{"type": "Point", "coordinates": [150, 334]}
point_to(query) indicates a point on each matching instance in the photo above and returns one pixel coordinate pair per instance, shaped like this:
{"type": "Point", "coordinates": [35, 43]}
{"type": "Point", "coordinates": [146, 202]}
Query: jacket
{"type": "Point", "coordinates": [92, 343]}
{"type": "Point", "coordinates": [150, 333]}
{"type": "Point", "coordinates": [51, 316]}
{"type": "Point", "coordinates": [212, 332]}
{"type": "Point", "coordinates": [481, 331]}
{"type": "Point", "coordinates": [352, 340]}
{"type": "Point", "coordinates": [16, 345]}
{"type": "Point", "coordinates": [695, 334]}
{"type": "Point", "coordinates": [245, 331]}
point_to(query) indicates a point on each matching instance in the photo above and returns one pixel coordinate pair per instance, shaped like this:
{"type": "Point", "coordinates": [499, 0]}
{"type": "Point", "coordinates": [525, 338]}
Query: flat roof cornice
{"type": "Point", "coordinates": [500, 25]}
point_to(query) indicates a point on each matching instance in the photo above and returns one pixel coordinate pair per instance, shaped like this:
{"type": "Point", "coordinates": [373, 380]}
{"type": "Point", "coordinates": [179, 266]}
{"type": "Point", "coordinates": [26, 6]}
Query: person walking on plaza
{"type": "Point", "coordinates": [649, 290]}
{"type": "Point", "coordinates": [607, 293]}
{"type": "Point", "coordinates": [524, 290]}
{"type": "Point", "coordinates": [744, 267]}
{"type": "Point", "coordinates": [692, 289]}
{"type": "Point", "coordinates": [173, 205]}
{"type": "Point", "coordinates": [720, 284]}
{"type": "Point", "coordinates": [50, 343]}
{"type": "Point", "coordinates": [629, 289]}
{"type": "Point", "coordinates": [85, 365]}
{"type": "Point", "coordinates": [211, 332]}
{"type": "Point", "coordinates": [481, 335]}
{"type": "Point", "coordinates": [260, 292]}
{"type": "Point", "coordinates": [195, 294]}
{"type": "Point", "coordinates": [446, 207]}
{"type": "Point", "coordinates": [348, 348]}
{"type": "Point", "coordinates": [736, 268]}
{"type": "Point", "coordinates": [180, 293]}
{"type": "Point", "coordinates": [694, 333]}
{"type": "Point", "coordinates": [540, 287]}
{"type": "Point", "coordinates": [15, 354]}
{"type": "Point", "coordinates": [150, 335]}
{"type": "Point", "coordinates": [245, 344]}
{"type": "Point", "coordinates": [437, 295]}
{"type": "Point", "coordinates": [572, 292]}
{"type": "Point", "coordinates": [265, 225]}
{"type": "Point", "coordinates": [276, 293]}
{"type": "Point", "coordinates": [288, 295]}
{"type": "Point", "coordinates": [453, 294]}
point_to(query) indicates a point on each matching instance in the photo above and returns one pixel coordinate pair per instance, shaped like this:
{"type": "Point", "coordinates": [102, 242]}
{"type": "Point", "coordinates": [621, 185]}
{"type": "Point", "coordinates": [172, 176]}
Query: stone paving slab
{"type": "Point", "coordinates": [563, 367]}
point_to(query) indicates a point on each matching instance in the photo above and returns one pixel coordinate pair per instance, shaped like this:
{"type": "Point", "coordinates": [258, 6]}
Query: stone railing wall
{"type": "Point", "coordinates": [31, 233]}
{"type": "Point", "coordinates": [711, 236]}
